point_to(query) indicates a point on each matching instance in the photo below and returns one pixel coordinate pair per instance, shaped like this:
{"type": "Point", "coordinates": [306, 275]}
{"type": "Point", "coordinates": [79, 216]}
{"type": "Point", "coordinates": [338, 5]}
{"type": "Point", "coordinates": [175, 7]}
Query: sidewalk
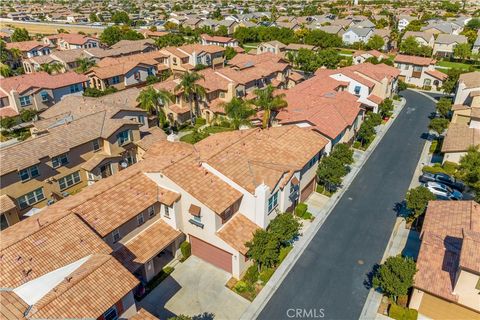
{"type": "Point", "coordinates": [402, 241]}
{"type": "Point", "coordinates": [320, 216]}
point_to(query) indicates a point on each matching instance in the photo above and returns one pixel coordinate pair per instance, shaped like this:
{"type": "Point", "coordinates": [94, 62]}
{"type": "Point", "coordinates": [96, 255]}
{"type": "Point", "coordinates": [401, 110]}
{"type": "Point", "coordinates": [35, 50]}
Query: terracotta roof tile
{"type": "Point", "coordinates": [237, 232]}
{"type": "Point", "coordinates": [420, 61]}
{"type": "Point", "coordinates": [460, 137]}
{"type": "Point", "coordinates": [41, 80]}
{"type": "Point", "coordinates": [12, 306]}
{"type": "Point", "coordinates": [6, 203]}
{"type": "Point", "coordinates": [143, 314]}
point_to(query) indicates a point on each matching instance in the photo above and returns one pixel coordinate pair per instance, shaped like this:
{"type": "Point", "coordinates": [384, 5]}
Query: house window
{"type": "Point", "coordinates": [25, 101]}
{"type": "Point", "coordinates": [417, 68]}
{"type": "Point", "coordinates": [151, 211]}
{"type": "Point", "coordinates": [197, 218]}
{"type": "Point", "coordinates": [77, 87]}
{"type": "Point", "coordinates": [69, 180]}
{"type": "Point", "coordinates": [167, 212]}
{"type": "Point", "coordinates": [96, 145]}
{"type": "Point", "coordinates": [29, 173]}
{"type": "Point", "coordinates": [137, 75]}
{"type": "Point", "coordinates": [123, 137]}
{"type": "Point", "coordinates": [30, 198]}
{"type": "Point", "coordinates": [115, 80]}
{"type": "Point", "coordinates": [140, 219]}
{"type": "Point", "coordinates": [116, 235]}
{"type": "Point", "coordinates": [141, 119]}
{"type": "Point", "coordinates": [357, 90]}
{"type": "Point", "coordinates": [44, 96]}
{"type": "Point", "coordinates": [273, 202]}
{"type": "Point", "coordinates": [312, 162]}
{"type": "Point", "coordinates": [150, 71]}
{"type": "Point", "coordinates": [60, 160]}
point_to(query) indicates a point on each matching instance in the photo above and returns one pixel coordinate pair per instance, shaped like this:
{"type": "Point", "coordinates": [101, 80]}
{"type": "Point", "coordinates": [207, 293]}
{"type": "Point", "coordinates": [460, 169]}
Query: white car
{"type": "Point", "coordinates": [443, 192]}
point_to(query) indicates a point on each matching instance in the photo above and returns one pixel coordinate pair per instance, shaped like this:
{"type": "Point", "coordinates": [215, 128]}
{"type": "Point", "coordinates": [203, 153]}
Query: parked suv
{"type": "Point", "coordinates": [443, 192]}
{"type": "Point", "coordinates": [444, 179]}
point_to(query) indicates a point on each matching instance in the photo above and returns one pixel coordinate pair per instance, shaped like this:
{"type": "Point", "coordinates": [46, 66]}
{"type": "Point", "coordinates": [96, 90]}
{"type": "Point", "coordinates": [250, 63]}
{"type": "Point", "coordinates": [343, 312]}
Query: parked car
{"type": "Point", "coordinates": [443, 178]}
{"type": "Point", "coordinates": [443, 192]}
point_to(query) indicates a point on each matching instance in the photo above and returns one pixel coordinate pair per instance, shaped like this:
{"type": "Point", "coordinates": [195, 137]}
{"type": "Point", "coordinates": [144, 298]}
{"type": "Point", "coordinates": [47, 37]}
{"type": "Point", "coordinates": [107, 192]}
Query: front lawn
{"type": "Point", "coordinates": [201, 134]}
{"type": "Point", "coordinates": [456, 65]}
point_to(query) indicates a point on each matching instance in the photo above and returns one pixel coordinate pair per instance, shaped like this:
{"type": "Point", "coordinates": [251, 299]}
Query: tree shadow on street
{"type": "Point", "coordinates": [368, 282]}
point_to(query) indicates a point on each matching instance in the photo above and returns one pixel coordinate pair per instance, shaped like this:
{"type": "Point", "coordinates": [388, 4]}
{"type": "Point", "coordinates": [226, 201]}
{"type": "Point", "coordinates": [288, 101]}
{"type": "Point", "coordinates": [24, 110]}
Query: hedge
{"type": "Point", "coordinates": [399, 313]}
{"type": "Point", "coordinates": [186, 249]}
{"type": "Point", "coordinates": [300, 209]}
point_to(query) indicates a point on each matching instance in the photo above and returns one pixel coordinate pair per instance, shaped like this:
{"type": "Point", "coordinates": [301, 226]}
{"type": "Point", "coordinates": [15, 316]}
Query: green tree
{"type": "Point", "coordinates": [462, 51]}
{"type": "Point", "coordinates": [474, 24]}
{"type": "Point", "coordinates": [20, 34]}
{"type": "Point", "coordinates": [386, 108]}
{"type": "Point", "coordinates": [113, 34]}
{"type": "Point", "coordinates": [284, 227]}
{"type": "Point", "coordinates": [238, 111]}
{"type": "Point", "coordinates": [27, 115]}
{"type": "Point", "coordinates": [375, 42]}
{"type": "Point", "coordinates": [267, 101]}
{"type": "Point", "coordinates": [439, 125]}
{"type": "Point", "coordinates": [395, 276]}
{"type": "Point", "coordinates": [322, 39]}
{"type": "Point", "coordinates": [330, 172]}
{"type": "Point", "coordinates": [93, 17]}
{"type": "Point", "coordinates": [150, 100]}
{"type": "Point", "coordinates": [170, 39]}
{"type": "Point", "coordinates": [451, 82]}
{"type": "Point", "coordinates": [263, 249]}
{"type": "Point", "coordinates": [230, 53]}
{"type": "Point", "coordinates": [7, 123]}
{"type": "Point", "coordinates": [5, 70]}
{"type": "Point", "coordinates": [343, 152]}
{"type": "Point", "coordinates": [51, 68]}
{"type": "Point", "coordinates": [417, 201]}
{"type": "Point", "coordinates": [366, 133]}
{"type": "Point", "coordinates": [412, 47]}
{"type": "Point", "coordinates": [217, 14]}
{"type": "Point", "coordinates": [191, 90]}
{"type": "Point", "coordinates": [444, 107]}
{"type": "Point", "coordinates": [120, 17]}
{"type": "Point", "coordinates": [469, 170]}
{"type": "Point", "coordinates": [84, 64]}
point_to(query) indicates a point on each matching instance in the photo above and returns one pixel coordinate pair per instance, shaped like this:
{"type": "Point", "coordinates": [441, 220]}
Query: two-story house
{"type": "Point", "coordinates": [218, 41]}
{"type": "Point", "coordinates": [188, 57]}
{"type": "Point", "coordinates": [127, 71]}
{"type": "Point", "coordinates": [356, 34]}
{"type": "Point", "coordinates": [29, 49]}
{"type": "Point", "coordinates": [70, 41]}
{"type": "Point", "coordinates": [447, 282]}
{"type": "Point", "coordinates": [468, 87]}
{"type": "Point", "coordinates": [37, 91]}
{"type": "Point", "coordinates": [274, 46]}
{"type": "Point", "coordinates": [422, 38]}
{"type": "Point", "coordinates": [445, 44]}
{"type": "Point", "coordinates": [419, 71]}
{"type": "Point", "coordinates": [71, 149]}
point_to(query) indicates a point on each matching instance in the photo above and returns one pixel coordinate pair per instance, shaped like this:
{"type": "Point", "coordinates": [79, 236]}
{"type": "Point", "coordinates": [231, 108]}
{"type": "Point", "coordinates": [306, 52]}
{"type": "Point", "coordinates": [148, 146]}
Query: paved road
{"type": "Point", "coordinates": [330, 273]}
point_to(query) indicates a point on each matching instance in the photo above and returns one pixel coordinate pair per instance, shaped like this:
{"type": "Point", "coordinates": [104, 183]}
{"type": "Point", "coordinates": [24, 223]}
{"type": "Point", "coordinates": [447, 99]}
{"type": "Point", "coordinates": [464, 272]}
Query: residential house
{"type": "Point", "coordinates": [385, 35]}
{"type": "Point", "coordinates": [54, 259]}
{"type": "Point", "coordinates": [149, 34]}
{"type": "Point", "coordinates": [422, 38]}
{"type": "Point", "coordinates": [460, 137]}
{"type": "Point", "coordinates": [355, 34]}
{"type": "Point", "coordinates": [37, 91]}
{"type": "Point", "coordinates": [370, 83]}
{"type": "Point", "coordinates": [127, 71]}
{"type": "Point", "coordinates": [322, 105]}
{"type": "Point", "coordinates": [468, 89]}
{"type": "Point", "coordinates": [218, 41]}
{"type": "Point", "coordinates": [446, 284]}
{"type": "Point", "coordinates": [29, 49]}
{"type": "Point", "coordinates": [274, 46]}
{"type": "Point", "coordinates": [419, 71]}
{"type": "Point", "coordinates": [444, 44]}
{"type": "Point", "coordinates": [293, 48]}
{"type": "Point", "coordinates": [74, 144]}
{"type": "Point", "coordinates": [70, 41]}
{"type": "Point", "coordinates": [403, 21]}
{"type": "Point", "coordinates": [9, 214]}
{"type": "Point", "coordinates": [361, 56]}
{"type": "Point", "coordinates": [338, 30]}
{"type": "Point", "coordinates": [190, 56]}
{"type": "Point", "coordinates": [442, 27]}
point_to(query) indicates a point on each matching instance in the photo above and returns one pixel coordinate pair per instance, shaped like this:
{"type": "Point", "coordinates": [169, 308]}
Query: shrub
{"type": "Point", "coordinates": [285, 227]}
{"type": "Point", "coordinates": [200, 122]}
{"type": "Point", "coordinates": [300, 209]}
{"type": "Point", "coordinates": [399, 313]}
{"type": "Point", "coordinates": [357, 144]}
{"type": "Point", "coordinates": [283, 253]}
{"type": "Point", "coordinates": [251, 275]}
{"type": "Point", "coordinates": [186, 249]}
{"type": "Point", "coordinates": [308, 216]}
{"type": "Point", "coordinates": [402, 85]}
{"type": "Point", "coordinates": [241, 287]}
{"type": "Point", "coordinates": [396, 97]}
{"type": "Point", "coordinates": [266, 274]}
{"type": "Point", "coordinates": [450, 167]}
{"type": "Point", "coordinates": [395, 276]}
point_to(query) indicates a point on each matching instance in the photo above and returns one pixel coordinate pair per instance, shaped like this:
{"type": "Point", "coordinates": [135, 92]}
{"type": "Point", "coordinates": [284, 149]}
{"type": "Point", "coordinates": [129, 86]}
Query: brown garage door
{"type": "Point", "coordinates": [211, 254]}
{"type": "Point", "coordinates": [307, 190]}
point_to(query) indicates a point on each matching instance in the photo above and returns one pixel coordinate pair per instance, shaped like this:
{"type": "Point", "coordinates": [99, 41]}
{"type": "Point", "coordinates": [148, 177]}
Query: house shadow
{"type": "Point", "coordinates": [368, 281]}
{"type": "Point", "coordinates": [412, 247]}
{"type": "Point", "coordinates": [401, 210]}
{"type": "Point", "coordinates": [155, 301]}
{"type": "Point", "coordinates": [451, 258]}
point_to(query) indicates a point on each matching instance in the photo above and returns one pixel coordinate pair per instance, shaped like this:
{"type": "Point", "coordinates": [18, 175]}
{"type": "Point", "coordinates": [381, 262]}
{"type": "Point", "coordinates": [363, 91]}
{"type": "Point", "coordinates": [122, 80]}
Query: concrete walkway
{"type": "Point", "coordinates": [195, 287]}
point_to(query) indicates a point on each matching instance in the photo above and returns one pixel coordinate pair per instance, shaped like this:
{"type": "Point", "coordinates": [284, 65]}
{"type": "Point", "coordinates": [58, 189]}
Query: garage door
{"type": "Point", "coordinates": [307, 190]}
{"type": "Point", "coordinates": [211, 254]}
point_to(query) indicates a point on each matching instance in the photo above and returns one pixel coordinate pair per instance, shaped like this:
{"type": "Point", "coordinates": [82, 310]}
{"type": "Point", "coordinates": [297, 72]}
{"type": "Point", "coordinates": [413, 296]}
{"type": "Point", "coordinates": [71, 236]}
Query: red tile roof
{"type": "Point", "coordinates": [437, 74]}
{"type": "Point", "coordinates": [420, 61]}
{"type": "Point", "coordinates": [40, 80]}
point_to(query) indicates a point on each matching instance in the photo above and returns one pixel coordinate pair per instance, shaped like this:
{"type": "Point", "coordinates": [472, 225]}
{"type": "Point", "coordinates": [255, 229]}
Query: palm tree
{"type": "Point", "coordinates": [191, 90]}
{"type": "Point", "coordinates": [238, 111]}
{"type": "Point", "coordinates": [150, 100]}
{"type": "Point", "coordinates": [51, 68]}
{"type": "Point", "coordinates": [84, 64]}
{"type": "Point", "coordinates": [269, 102]}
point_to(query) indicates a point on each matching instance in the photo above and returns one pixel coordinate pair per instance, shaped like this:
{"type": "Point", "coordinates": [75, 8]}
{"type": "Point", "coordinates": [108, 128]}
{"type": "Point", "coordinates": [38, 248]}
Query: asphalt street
{"type": "Point", "coordinates": [328, 280]}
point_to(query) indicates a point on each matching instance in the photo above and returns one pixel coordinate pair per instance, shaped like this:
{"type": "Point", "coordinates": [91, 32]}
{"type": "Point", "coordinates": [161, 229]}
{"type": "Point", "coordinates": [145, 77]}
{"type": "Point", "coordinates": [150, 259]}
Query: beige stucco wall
{"type": "Point", "coordinates": [468, 295]}
{"type": "Point", "coordinates": [453, 156]}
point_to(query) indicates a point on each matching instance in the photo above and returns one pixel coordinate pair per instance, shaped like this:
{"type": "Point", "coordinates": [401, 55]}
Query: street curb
{"type": "Point", "coordinates": [255, 308]}
{"type": "Point", "coordinates": [422, 92]}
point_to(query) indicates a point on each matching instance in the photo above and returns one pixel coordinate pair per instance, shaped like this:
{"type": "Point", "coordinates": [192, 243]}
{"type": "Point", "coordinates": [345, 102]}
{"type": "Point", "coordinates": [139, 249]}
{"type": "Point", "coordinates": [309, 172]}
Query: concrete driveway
{"type": "Point", "coordinates": [195, 288]}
